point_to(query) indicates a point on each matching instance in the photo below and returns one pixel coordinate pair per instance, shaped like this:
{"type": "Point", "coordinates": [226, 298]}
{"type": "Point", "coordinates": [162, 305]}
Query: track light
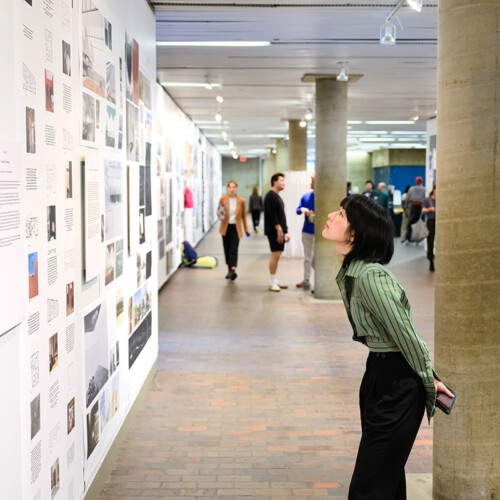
{"type": "Point", "coordinates": [415, 118]}
{"type": "Point", "coordinates": [388, 34]}
{"type": "Point", "coordinates": [273, 151]}
{"type": "Point", "coordinates": [218, 117]}
{"type": "Point", "coordinates": [415, 4]}
{"type": "Point", "coordinates": [220, 99]}
{"type": "Point", "coordinates": [231, 144]}
{"type": "Point", "coordinates": [208, 84]}
{"type": "Point", "coordinates": [343, 75]}
{"type": "Point", "coordinates": [224, 135]}
{"type": "Point", "coordinates": [309, 115]}
{"type": "Point", "coordinates": [303, 123]}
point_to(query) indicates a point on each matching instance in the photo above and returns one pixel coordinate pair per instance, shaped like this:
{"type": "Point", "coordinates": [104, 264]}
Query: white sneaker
{"type": "Point", "coordinates": [274, 288]}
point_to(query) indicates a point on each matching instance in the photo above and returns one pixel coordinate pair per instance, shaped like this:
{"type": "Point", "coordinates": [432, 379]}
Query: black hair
{"type": "Point", "coordinates": [275, 177]}
{"type": "Point", "coordinates": [372, 230]}
{"type": "Point", "coordinates": [407, 188]}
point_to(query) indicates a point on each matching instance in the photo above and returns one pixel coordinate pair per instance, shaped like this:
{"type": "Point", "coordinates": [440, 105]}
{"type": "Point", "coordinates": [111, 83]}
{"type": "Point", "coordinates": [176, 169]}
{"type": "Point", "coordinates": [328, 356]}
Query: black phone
{"type": "Point", "coordinates": [444, 402]}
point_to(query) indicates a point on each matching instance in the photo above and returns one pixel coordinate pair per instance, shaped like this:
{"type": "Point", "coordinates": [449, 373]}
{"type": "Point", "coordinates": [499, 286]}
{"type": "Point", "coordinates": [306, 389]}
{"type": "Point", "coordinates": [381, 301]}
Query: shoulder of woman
{"type": "Point", "coordinates": [374, 271]}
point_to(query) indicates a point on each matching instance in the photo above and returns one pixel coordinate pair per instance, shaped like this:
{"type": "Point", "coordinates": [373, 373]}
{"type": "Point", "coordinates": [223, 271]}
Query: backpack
{"type": "Point", "coordinates": [190, 258]}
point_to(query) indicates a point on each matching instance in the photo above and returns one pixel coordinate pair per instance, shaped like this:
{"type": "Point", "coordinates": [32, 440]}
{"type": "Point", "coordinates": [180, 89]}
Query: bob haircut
{"type": "Point", "coordinates": [372, 228]}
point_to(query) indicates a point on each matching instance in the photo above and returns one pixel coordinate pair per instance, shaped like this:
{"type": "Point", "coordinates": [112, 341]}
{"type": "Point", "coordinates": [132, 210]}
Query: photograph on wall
{"type": "Point", "coordinates": [88, 118]}
{"type": "Point", "coordinates": [161, 225]}
{"type": "Point", "coordinates": [97, 113]}
{"type": "Point", "coordinates": [69, 180]}
{"type": "Point", "coordinates": [53, 352]}
{"type": "Point", "coordinates": [110, 83]}
{"type": "Point", "coordinates": [49, 91]}
{"type": "Point", "coordinates": [120, 307]}
{"type": "Point", "coordinates": [55, 480]}
{"type": "Point", "coordinates": [132, 132]}
{"type": "Point", "coordinates": [161, 249]}
{"type": "Point", "coordinates": [138, 339]}
{"type": "Point", "coordinates": [142, 225]}
{"type": "Point", "coordinates": [108, 34]}
{"type": "Point", "coordinates": [119, 258]}
{"type": "Point", "coordinates": [93, 59]}
{"type": "Point", "coordinates": [96, 351]}
{"type": "Point", "coordinates": [141, 269]}
{"type": "Point", "coordinates": [147, 160]}
{"type": "Point", "coordinates": [142, 185]}
{"type": "Point", "coordinates": [104, 409]}
{"type": "Point", "coordinates": [30, 131]}
{"type": "Point", "coordinates": [115, 389]}
{"type": "Point", "coordinates": [120, 132]}
{"type": "Point", "coordinates": [135, 71]}
{"type": "Point", "coordinates": [148, 125]}
{"type": "Point", "coordinates": [111, 127]}
{"type": "Point", "coordinates": [70, 298]}
{"type": "Point", "coordinates": [144, 90]}
{"type": "Point", "coordinates": [66, 58]}
{"type": "Point", "coordinates": [51, 223]}
{"type": "Point", "coordinates": [71, 415]}
{"type": "Point", "coordinates": [149, 263]}
{"type": "Point", "coordinates": [130, 315]}
{"type": "Point", "coordinates": [128, 68]}
{"type": "Point", "coordinates": [110, 264]}
{"type": "Point", "coordinates": [113, 186]}
{"type": "Point", "coordinates": [147, 190]}
{"type": "Point", "coordinates": [29, 2]}
{"type": "Point", "coordinates": [33, 274]}
{"type": "Point", "coordinates": [35, 416]}
{"type": "Point", "coordinates": [92, 428]}
{"type": "Point", "coordinates": [113, 360]}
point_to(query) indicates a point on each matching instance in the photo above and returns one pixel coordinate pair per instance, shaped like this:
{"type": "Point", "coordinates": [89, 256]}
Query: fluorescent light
{"type": "Point", "coordinates": [186, 84]}
{"type": "Point", "coordinates": [374, 139]}
{"type": "Point", "coordinates": [354, 122]}
{"type": "Point", "coordinates": [389, 122]}
{"type": "Point", "coordinates": [213, 44]}
{"type": "Point", "coordinates": [417, 132]}
{"type": "Point", "coordinates": [220, 99]}
{"type": "Point", "coordinates": [415, 4]}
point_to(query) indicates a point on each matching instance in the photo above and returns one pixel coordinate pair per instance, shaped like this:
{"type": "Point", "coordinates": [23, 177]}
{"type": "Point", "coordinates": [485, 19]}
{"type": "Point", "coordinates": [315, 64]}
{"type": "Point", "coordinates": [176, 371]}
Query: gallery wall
{"type": "Point", "coordinates": [95, 163]}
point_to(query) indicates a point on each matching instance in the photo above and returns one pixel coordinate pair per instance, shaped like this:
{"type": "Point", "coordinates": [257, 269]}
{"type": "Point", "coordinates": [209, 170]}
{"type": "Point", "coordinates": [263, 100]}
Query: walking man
{"type": "Point", "coordinates": [416, 196]}
{"type": "Point", "coordinates": [275, 227]}
{"type": "Point", "coordinates": [306, 207]}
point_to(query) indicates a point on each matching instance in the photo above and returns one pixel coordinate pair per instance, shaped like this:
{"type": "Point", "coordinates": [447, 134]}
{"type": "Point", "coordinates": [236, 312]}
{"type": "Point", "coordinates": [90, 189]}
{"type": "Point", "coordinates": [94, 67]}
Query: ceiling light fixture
{"type": "Point", "coordinates": [303, 123]}
{"type": "Point", "coordinates": [415, 118]}
{"type": "Point", "coordinates": [388, 30]}
{"type": "Point", "coordinates": [343, 75]}
{"type": "Point", "coordinates": [208, 85]}
{"type": "Point", "coordinates": [389, 122]}
{"type": "Point", "coordinates": [214, 44]}
{"type": "Point", "coordinates": [231, 144]}
{"type": "Point", "coordinates": [186, 84]}
{"type": "Point", "coordinates": [220, 99]}
{"type": "Point", "coordinates": [218, 117]}
{"type": "Point", "coordinates": [309, 115]}
{"type": "Point", "coordinates": [274, 151]}
{"type": "Point", "coordinates": [224, 135]}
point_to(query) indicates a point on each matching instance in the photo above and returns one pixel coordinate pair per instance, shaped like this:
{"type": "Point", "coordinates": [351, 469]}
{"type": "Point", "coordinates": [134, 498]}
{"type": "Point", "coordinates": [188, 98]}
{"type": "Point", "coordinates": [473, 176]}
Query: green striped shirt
{"type": "Point", "coordinates": [379, 313]}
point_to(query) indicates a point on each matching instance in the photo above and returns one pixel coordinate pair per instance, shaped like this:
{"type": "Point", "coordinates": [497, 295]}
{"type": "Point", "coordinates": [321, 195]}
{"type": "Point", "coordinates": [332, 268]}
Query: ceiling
{"type": "Point", "coordinates": [262, 86]}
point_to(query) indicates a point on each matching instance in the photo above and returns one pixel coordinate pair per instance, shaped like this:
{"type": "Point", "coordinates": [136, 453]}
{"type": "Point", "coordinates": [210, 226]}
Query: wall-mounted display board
{"type": "Point", "coordinates": [77, 235]}
{"type": "Point", "coordinates": [185, 161]}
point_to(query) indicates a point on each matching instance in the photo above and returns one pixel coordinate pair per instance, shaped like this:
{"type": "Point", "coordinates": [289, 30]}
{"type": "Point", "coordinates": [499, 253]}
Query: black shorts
{"type": "Point", "coordinates": [273, 243]}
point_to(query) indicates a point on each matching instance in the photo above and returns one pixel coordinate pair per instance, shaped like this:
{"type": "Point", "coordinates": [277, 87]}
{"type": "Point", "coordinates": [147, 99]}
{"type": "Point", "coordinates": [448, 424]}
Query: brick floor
{"type": "Point", "coordinates": [256, 392]}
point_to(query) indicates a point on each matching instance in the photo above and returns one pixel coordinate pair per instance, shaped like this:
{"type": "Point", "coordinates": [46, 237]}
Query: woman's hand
{"type": "Point", "coordinates": [440, 387]}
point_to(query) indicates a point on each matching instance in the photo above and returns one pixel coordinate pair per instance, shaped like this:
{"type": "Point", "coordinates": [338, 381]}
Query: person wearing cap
{"type": "Point", "coordinates": [416, 196]}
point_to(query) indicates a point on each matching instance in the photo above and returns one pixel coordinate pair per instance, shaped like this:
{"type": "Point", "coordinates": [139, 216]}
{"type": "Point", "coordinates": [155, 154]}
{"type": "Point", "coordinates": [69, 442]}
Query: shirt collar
{"type": "Point", "coordinates": [354, 270]}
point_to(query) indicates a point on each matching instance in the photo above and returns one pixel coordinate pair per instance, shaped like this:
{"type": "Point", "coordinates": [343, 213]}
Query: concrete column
{"type": "Point", "coordinates": [297, 146]}
{"type": "Point", "coordinates": [467, 347]}
{"type": "Point", "coordinates": [331, 178]}
{"type": "Point", "coordinates": [269, 169]}
{"type": "Point", "coordinates": [281, 155]}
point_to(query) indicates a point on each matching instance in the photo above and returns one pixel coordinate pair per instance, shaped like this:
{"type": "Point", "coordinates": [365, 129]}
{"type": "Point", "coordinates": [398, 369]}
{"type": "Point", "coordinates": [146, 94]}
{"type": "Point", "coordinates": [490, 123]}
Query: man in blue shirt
{"type": "Point", "coordinates": [306, 207]}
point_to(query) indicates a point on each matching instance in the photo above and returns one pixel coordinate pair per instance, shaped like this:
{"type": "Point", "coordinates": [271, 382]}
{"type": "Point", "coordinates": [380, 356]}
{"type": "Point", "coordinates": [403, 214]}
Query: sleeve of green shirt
{"type": "Point", "coordinates": [384, 298]}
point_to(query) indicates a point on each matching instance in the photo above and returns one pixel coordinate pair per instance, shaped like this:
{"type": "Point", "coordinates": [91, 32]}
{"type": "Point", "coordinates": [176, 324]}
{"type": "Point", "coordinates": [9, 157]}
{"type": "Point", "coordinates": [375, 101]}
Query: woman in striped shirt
{"type": "Point", "coordinates": [399, 381]}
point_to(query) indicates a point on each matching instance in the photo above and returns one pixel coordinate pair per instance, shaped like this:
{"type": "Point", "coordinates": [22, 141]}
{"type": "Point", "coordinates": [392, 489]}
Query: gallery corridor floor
{"type": "Point", "coordinates": [256, 392]}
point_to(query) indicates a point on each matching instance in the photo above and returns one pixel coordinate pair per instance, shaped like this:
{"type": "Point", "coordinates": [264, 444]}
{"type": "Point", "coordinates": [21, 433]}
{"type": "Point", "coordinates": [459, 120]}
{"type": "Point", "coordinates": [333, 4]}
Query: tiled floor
{"type": "Point", "coordinates": [256, 392]}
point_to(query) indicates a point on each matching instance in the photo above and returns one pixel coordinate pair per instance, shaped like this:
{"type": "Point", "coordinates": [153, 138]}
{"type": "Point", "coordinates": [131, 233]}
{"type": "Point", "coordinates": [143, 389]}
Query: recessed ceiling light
{"type": "Point", "coordinates": [354, 122]}
{"type": "Point", "coordinates": [214, 44]}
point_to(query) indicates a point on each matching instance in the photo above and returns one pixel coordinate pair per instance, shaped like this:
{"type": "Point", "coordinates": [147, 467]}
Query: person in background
{"type": "Point", "coordinates": [349, 188]}
{"type": "Point", "coordinates": [383, 198]}
{"type": "Point", "coordinates": [306, 207]}
{"type": "Point", "coordinates": [276, 228]}
{"type": "Point", "coordinates": [370, 190]}
{"type": "Point", "coordinates": [405, 205]}
{"type": "Point", "coordinates": [416, 196]}
{"type": "Point", "coordinates": [256, 207]}
{"type": "Point", "coordinates": [429, 209]}
{"type": "Point", "coordinates": [399, 382]}
{"type": "Point", "coordinates": [232, 213]}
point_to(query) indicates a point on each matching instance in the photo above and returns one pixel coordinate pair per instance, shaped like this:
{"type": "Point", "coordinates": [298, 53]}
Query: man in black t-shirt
{"type": "Point", "coordinates": [276, 228]}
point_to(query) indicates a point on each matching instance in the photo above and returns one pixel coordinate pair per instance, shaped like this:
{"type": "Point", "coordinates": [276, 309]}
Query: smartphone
{"type": "Point", "coordinates": [444, 402]}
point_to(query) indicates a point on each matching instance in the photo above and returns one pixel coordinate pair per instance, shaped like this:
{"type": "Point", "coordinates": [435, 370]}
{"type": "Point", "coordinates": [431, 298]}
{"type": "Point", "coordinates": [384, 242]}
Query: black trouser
{"type": "Point", "coordinates": [392, 403]}
{"type": "Point", "coordinates": [256, 217]}
{"type": "Point", "coordinates": [415, 213]}
{"type": "Point", "coordinates": [431, 226]}
{"type": "Point", "coordinates": [231, 242]}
